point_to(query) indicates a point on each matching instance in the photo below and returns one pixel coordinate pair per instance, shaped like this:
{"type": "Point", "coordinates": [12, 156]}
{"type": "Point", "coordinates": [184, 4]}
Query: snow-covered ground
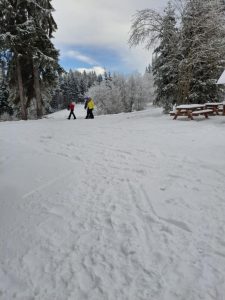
{"type": "Point", "coordinates": [122, 207]}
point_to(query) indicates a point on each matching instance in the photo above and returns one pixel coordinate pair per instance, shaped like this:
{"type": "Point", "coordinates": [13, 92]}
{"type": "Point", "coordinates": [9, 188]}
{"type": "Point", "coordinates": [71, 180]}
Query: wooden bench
{"type": "Point", "coordinates": [191, 110]}
{"type": "Point", "coordinates": [181, 112]}
{"type": "Point", "coordinates": [184, 112]}
{"type": "Point", "coordinates": [204, 112]}
{"type": "Point", "coordinates": [172, 113]}
{"type": "Point", "coordinates": [222, 110]}
{"type": "Point", "coordinates": [215, 106]}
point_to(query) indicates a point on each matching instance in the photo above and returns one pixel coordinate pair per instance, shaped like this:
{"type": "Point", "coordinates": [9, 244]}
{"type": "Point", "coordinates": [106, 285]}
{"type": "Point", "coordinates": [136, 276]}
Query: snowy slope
{"type": "Point", "coordinates": [79, 111]}
{"type": "Point", "coordinates": [122, 207]}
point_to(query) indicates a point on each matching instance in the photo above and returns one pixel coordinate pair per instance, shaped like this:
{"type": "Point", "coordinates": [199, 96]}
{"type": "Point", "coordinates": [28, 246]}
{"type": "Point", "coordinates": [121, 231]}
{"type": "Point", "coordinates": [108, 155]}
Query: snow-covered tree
{"type": "Point", "coordinates": [189, 59]}
{"type": "Point", "coordinates": [73, 86]}
{"type": "Point", "coordinates": [26, 29]}
{"type": "Point", "coordinates": [165, 63]}
{"type": "Point", "coordinates": [148, 81]}
{"type": "Point", "coordinates": [202, 51]}
{"type": "Point", "coordinates": [5, 58]}
{"type": "Point", "coordinates": [106, 98]}
{"type": "Point", "coordinates": [4, 94]}
{"type": "Point", "coordinates": [44, 55]}
{"type": "Point", "coordinates": [14, 37]}
{"type": "Point", "coordinates": [120, 94]}
{"type": "Point", "coordinates": [150, 27]}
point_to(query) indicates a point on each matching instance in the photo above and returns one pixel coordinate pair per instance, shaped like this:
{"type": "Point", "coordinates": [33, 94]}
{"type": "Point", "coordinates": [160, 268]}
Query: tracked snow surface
{"type": "Point", "coordinates": [122, 207]}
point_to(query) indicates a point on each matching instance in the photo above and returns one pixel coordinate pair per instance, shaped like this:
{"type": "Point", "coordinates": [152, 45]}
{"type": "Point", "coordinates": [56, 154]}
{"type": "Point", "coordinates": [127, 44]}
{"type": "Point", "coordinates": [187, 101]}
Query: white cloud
{"type": "Point", "coordinates": [101, 23]}
{"type": "Point", "coordinates": [79, 56]}
{"type": "Point", "coordinates": [98, 70]}
{"type": "Point", "coordinates": [98, 22]}
{"type": "Point", "coordinates": [136, 59]}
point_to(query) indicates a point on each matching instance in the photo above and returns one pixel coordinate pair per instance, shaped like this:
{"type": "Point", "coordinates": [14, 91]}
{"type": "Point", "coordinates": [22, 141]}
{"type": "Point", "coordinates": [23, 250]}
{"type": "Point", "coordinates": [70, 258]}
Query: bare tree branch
{"type": "Point", "coordinates": [146, 28]}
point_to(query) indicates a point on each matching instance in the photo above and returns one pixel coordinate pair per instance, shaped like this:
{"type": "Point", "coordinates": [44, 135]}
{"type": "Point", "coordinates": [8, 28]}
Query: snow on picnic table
{"type": "Point", "coordinates": [128, 206]}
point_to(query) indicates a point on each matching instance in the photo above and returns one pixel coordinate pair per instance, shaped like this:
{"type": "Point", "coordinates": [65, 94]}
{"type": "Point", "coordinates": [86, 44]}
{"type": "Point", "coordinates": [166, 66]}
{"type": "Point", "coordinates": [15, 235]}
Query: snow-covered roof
{"type": "Point", "coordinates": [221, 80]}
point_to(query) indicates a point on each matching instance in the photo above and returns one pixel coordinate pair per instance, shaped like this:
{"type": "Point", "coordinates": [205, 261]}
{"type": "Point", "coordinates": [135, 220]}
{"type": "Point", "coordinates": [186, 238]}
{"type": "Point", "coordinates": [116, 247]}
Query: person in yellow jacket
{"type": "Point", "coordinates": [89, 105]}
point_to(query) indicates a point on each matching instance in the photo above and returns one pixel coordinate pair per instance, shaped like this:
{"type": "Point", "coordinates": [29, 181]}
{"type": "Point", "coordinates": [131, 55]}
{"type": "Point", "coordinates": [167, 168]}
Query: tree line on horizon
{"type": "Point", "coordinates": [73, 86]}
{"type": "Point", "coordinates": [112, 93]}
{"type": "Point", "coordinates": [123, 93]}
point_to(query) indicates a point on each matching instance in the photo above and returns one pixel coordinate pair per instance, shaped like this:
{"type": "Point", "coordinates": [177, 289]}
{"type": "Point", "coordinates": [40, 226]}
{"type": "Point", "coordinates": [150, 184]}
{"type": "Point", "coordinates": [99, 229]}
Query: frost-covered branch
{"type": "Point", "coordinates": [146, 28]}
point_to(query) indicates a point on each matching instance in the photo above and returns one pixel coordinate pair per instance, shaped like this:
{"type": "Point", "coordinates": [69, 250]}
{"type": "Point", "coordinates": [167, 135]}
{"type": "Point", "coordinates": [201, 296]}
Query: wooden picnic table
{"type": "Point", "coordinates": [214, 106]}
{"type": "Point", "coordinates": [223, 103]}
{"type": "Point", "coordinates": [190, 110]}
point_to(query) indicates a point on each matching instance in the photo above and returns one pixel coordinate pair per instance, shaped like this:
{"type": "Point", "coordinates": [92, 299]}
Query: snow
{"type": "Point", "coordinates": [127, 206]}
{"type": "Point", "coordinates": [191, 106]}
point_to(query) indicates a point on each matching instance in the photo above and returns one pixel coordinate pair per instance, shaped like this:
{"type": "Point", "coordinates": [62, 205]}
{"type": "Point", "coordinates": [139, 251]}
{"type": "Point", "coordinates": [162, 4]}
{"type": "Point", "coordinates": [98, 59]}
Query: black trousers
{"type": "Point", "coordinates": [90, 114]}
{"type": "Point", "coordinates": [72, 113]}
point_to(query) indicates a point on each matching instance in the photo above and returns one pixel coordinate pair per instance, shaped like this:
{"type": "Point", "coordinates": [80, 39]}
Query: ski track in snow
{"type": "Point", "coordinates": [127, 207]}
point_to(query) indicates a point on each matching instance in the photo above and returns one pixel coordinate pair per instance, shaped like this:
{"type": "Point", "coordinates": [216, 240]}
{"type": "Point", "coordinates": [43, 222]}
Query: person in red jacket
{"type": "Point", "coordinates": [71, 108]}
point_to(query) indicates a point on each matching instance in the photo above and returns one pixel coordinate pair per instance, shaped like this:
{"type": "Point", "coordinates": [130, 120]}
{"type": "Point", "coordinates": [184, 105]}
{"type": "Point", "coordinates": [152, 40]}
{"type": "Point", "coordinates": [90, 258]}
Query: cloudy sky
{"type": "Point", "coordinates": [93, 34]}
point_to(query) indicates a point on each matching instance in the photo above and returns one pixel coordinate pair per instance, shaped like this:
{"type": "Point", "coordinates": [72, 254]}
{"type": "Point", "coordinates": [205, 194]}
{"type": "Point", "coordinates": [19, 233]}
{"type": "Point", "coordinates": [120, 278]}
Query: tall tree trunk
{"type": "Point", "coordinates": [2, 73]}
{"type": "Point", "coordinates": [37, 92]}
{"type": "Point", "coordinates": [21, 91]}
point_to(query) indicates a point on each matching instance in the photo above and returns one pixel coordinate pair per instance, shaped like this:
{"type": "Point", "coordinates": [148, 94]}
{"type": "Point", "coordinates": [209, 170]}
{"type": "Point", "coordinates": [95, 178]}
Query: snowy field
{"type": "Point", "coordinates": [122, 207]}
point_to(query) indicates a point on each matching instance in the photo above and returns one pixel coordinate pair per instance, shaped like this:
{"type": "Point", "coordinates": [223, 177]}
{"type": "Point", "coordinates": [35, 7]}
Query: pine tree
{"type": "Point", "coordinates": [148, 69]}
{"type": "Point", "coordinates": [165, 62]}
{"type": "Point", "coordinates": [26, 28]}
{"type": "Point", "coordinates": [4, 94]}
{"type": "Point", "coordinates": [99, 79]}
{"type": "Point", "coordinates": [82, 89]}
{"type": "Point", "coordinates": [202, 51]}
{"type": "Point", "coordinates": [148, 81]}
{"type": "Point", "coordinates": [15, 37]}
{"type": "Point", "coordinates": [44, 55]}
{"type": "Point", "coordinates": [189, 59]}
{"type": "Point", "coordinates": [149, 27]}
{"type": "Point", "coordinates": [72, 86]}
{"type": "Point", "coordinates": [5, 58]}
